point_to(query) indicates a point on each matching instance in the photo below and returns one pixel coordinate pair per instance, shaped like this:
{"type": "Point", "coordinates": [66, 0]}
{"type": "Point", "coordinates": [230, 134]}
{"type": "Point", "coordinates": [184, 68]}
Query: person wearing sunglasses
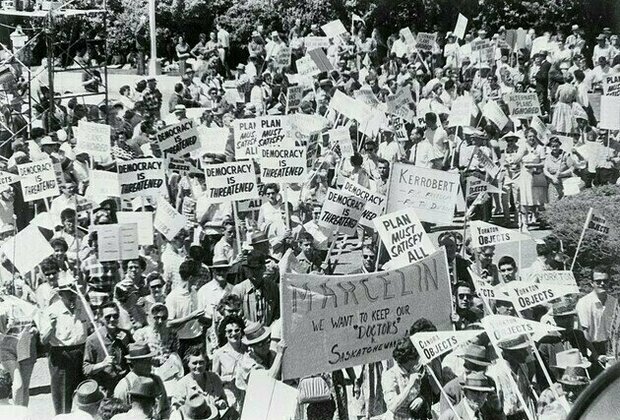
{"type": "Point", "coordinates": [227, 357]}
{"type": "Point", "coordinates": [107, 365]}
{"type": "Point", "coordinates": [466, 313]}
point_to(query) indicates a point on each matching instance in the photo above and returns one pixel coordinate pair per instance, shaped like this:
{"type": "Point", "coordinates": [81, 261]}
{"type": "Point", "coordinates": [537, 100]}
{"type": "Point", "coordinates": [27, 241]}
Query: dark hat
{"type": "Point", "coordinates": [476, 354]}
{"type": "Point", "coordinates": [144, 387]}
{"type": "Point", "coordinates": [258, 237]}
{"type": "Point", "coordinates": [138, 351]}
{"type": "Point", "coordinates": [88, 393]}
{"type": "Point", "coordinates": [514, 343]}
{"type": "Point", "coordinates": [196, 407]}
{"type": "Point", "coordinates": [254, 260]}
{"type": "Point", "coordinates": [563, 307]}
{"type": "Point", "coordinates": [574, 375]}
{"type": "Point", "coordinates": [254, 333]}
{"type": "Point", "coordinates": [478, 381]}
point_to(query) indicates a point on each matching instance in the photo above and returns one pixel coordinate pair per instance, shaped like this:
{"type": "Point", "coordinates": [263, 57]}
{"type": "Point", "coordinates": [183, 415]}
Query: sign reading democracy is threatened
{"type": "Point", "coordinates": [341, 211]}
{"type": "Point", "coordinates": [38, 180]}
{"type": "Point", "coordinates": [283, 165]}
{"type": "Point", "coordinates": [430, 192]}
{"type": "Point", "coordinates": [404, 237]}
{"type": "Point", "coordinates": [141, 177]}
{"type": "Point", "coordinates": [231, 181]}
{"type": "Point", "coordinates": [375, 203]}
{"type": "Point", "coordinates": [357, 319]}
{"type": "Point", "coordinates": [179, 139]}
{"type": "Point", "coordinates": [255, 133]}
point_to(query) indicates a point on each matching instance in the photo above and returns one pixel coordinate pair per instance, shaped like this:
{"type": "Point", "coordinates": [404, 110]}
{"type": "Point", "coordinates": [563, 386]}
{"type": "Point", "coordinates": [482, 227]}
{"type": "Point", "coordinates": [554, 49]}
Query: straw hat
{"type": "Point", "coordinates": [571, 357]}
{"type": "Point", "coordinates": [254, 333]}
{"type": "Point", "coordinates": [478, 381]}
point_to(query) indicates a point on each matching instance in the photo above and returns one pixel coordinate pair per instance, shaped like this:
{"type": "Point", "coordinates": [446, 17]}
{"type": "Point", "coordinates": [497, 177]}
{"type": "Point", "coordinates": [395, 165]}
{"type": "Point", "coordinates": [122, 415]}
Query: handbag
{"type": "Point", "coordinates": [314, 389]}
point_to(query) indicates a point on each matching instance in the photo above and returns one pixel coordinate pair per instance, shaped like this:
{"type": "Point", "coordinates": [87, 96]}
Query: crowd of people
{"type": "Point", "coordinates": [177, 331]}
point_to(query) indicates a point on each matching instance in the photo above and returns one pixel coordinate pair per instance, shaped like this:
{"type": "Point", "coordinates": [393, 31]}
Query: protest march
{"type": "Point", "coordinates": [334, 225]}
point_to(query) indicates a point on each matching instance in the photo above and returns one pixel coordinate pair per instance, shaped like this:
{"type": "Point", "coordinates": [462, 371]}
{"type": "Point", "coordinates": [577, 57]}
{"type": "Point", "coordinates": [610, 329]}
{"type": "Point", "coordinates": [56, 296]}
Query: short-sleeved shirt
{"type": "Point", "coordinates": [180, 303]}
{"type": "Point", "coordinates": [590, 313]}
{"type": "Point", "coordinates": [70, 327]}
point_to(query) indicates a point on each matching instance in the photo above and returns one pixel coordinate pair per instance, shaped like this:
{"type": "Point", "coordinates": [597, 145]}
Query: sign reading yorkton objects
{"type": "Point", "coordinates": [38, 180]}
{"type": "Point", "coordinates": [231, 181]}
{"type": "Point", "coordinates": [432, 193]}
{"type": "Point", "coordinates": [140, 177]}
{"type": "Point", "coordinates": [356, 319]}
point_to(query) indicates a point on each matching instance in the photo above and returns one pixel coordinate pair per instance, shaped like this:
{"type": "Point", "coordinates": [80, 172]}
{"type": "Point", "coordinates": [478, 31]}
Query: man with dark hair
{"type": "Point", "coordinates": [507, 267]}
{"type": "Point", "coordinates": [261, 301]}
{"type": "Point", "coordinates": [107, 365]}
{"type": "Point", "coordinates": [46, 292]}
{"type": "Point", "coordinates": [309, 258]}
{"type": "Point", "coordinates": [466, 313]}
{"type": "Point", "coordinates": [358, 174]}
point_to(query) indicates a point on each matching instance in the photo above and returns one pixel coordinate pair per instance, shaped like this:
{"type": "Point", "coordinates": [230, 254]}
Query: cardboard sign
{"type": "Point", "coordinates": [502, 327]}
{"type": "Point", "coordinates": [479, 44]}
{"type": "Point", "coordinates": [398, 104]}
{"type": "Point", "coordinates": [342, 137]}
{"type": "Point", "coordinates": [7, 178]}
{"type": "Point", "coordinates": [485, 234]}
{"type": "Point", "coordinates": [598, 224]}
{"type": "Point", "coordinates": [432, 193]}
{"type": "Point", "coordinates": [314, 42]}
{"type": "Point", "coordinates": [341, 211]}
{"type": "Point", "coordinates": [168, 221]}
{"type": "Point", "coordinates": [103, 184]}
{"type": "Point", "coordinates": [425, 41]}
{"type": "Point", "coordinates": [211, 140]}
{"type": "Point", "coordinates": [294, 96]}
{"type": "Point", "coordinates": [477, 186]}
{"type": "Point", "coordinates": [334, 28]}
{"type": "Point", "coordinates": [27, 249]}
{"type": "Point", "coordinates": [307, 67]}
{"type": "Point", "coordinates": [254, 133]}
{"type": "Point", "coordinates": [231, 181]}
{"type": "Point", "coordinates": [182, 166]}
{"type": "Point", "coordinates": [431, 345]}
{"type": "Point", "coordinates": [178, 139]}
{"type": "Point", "coordinates": [408, 35]}
{"type": "Point", "coordinates": [283, 165]}
{"type": "Point", "coordinates": [404, 237]}
{"type": "Point", "coordinates": [527, 295]}
{"type": "Point", "coordinates": [375, 203]}
{"type": "Point", "coordinates": [610, 113]}
{"type": "Point", "coordinates": [366, 95]}
{"type": "Point", "coordinates": [94, 139]}
{"type": "Point", "coordinates": [523, 105]}
{"type": "Point", "coordinates": [140, 177]}
{"type": "Point", "coordinates": [460, 113]}
{"type": "Point", "coordinates": [492, 112]}
{"type": "Point", "coordinates": [566, 278]}
{"type": "Point", "coordinates": [38, 180]}
{"type": "Point", "coordinates": [484, 290]}
{"type": "Point", "coordinates": [268, 399]}
{"type": "Point", "coordinates": [611, 85]}
{"type": "Point", "coordinates": [142, 219]}
{"type": "Point", "coordinates": [117, 242]}
{"type": "Point", "coordinates": [460, 27]}
{"type": "Point", "coordinates": [283, 58]}
{"type": "Point", "coordinates": [352, 320]}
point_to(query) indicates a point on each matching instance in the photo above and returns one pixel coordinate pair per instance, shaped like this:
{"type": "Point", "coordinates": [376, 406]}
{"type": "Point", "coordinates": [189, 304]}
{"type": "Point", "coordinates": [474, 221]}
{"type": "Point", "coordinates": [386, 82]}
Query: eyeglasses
{"type": "Point", "coordinates": [465, 296]}
{"type": "Point", "coordinates": [368, 257]}
{"type": "Point", "coordinates": [232, 331]}
{"type": "Point", "coordinates": [162, 317]}
{"type": "Point", "coordinates": [111, 316]}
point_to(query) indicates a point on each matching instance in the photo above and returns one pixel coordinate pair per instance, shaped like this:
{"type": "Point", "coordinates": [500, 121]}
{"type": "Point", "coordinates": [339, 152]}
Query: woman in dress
{"type": "Point", "coordinates": [533, 185]}
{"type": "Point", "coordinates": [557, 165]}
{"type": "Point", "coordinates": [182, 50]}
{"type": "Point", "coordinates": [226, 358]}
{"type": "Point", "coordinates": [563, 118]}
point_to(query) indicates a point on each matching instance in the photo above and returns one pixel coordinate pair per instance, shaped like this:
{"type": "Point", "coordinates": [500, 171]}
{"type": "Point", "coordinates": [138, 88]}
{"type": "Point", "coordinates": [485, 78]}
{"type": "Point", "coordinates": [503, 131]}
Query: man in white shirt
{"type": "Point", "coordinates": [389, 149]}
{"type": "Point", "coordinates": [602, 49]}
{"type": "Point", "coordinates": [437, 136]}
{"type": "Point", "coordinates": [226, 247]}
{"type": "Point", "coordinates": [210, 294]}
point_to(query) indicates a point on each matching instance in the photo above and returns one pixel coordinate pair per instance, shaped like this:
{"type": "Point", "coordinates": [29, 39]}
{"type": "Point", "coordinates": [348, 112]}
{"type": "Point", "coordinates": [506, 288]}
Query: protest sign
{"type": "Point", "coordinates": [140, 177]}
{"type": "Point", "coordinates": [425, 41]}
{"type": "Point", "coordinates": [27, 249]}
{"type": "Point", "coordinates": [38, 180]}
{"type": "Point", "coordinates": [502, 327]}
{"type": "Point", "coordinates": [144, 221]}
{"type": "Point", "coordinates": [178, 139]}
{"type": "Point", "coordinates": [485, 290]}
{"type": "Point", "coordinates": [320, 59]}
{"type": "Point", "coordinates": [484, 163]}
{"type": "Point", "coordinates": [231, 181]}
{"type": "Point", "coordinates": [539, 126]}
{"type": "Point", "coordinates": [103, 184]}
{"type": "Point", "coordinates": [491, 111]}
{"type": "Point", "coordinates": [460, 113]}
{"type": "Point", "coordinates": [477, 186]}
{"type": "Point", "coordinates": [594, 99]}
{"type": "Point", "coordinates": [117, 242]}
{"type": "Point", "coordinates": [598, 224]}
{"type": "Point", "coordinates": [461, 25]}
{"type": "Point", "coordinates": [409, 38]}
{"type": "Point", "coordinates": [375, 203]}
{"type": "Point", "coordinates": [182, 166]}
{"type": "Point", "coordinates": [283, 58]}
{"type": "Point", "coordinates": [366, 95]}
{"type": "Point", "coordinates": [314, 42]}
{"type": "Point", "coordinates": [431, 345]}
{"type": "Point", "coordinates": [487, 54]}
{"type": "Point", "coordinates": [7, 178]}
{"type": "Point", "coordinates": [168, 221]}
{"type": "Point", "coordinates": [341, 211]}
{"type": "Point", "coordinates": [610, 113]}
{"type": "Point", "coordinates": [351, 108]}
{"type": "Point", "coordinates": [558, 277]}
{"type": "Point", "coordinates": [94, 139]}
{"type": "Point", "coordinates": [611, 85]}
{"type": "Point", "coordinates": [252, 134]}
{"type": "Point", "coordinates": [404, 237]}
{"type": "Point", "coordinates": [268, 399]}
{"type": "Point", "coordinates": [485, 234]}
{"type": "Point", "coordinates": [398, 104]}
{"type": "Point", "coordinates": [334, 28]}
{"type": "Point", "coordinates": [342, 137]}
{"type": "Point", "coordinates": [212, 140]}
{"type": "Point", "coordinates": [432, 193]}
{"type": "Point", "coordinates": [527, 295]}
{"type": "Point", "coordinates": [283, 165]}
{"type": "Point", "coordinates": [479, 44]}
{"type": "Point", "coordinates": [294, 96]}
{"type": "Point", "coordinates": [352, 320]}
{"type": "Point", "coordinates": [307, 67]}
{"type": "Point", "coordinates": [523, 105]}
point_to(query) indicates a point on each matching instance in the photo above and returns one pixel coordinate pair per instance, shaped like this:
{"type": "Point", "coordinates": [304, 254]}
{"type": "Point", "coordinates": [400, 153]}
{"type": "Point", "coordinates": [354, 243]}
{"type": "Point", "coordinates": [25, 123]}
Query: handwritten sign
{"type": "Point", "coordinates": [38, 180]}
{"type": "Point", "coordinates": [140, 177]}
{"type": "Point", "coordinates": [283, 165]}
{"type": "Point", "coordinates": [178, 139]}
{"type": "Point", "coordinates": [357, 319]}
{"type": "Point", "coordinates": [168, 221]}
{"type": "Point", "coordinates": [341, 211]}
{"type": "Point", "coordinates": [307, 67]}
{"type": "Point", "coordinates": [283, 58]}
{"type": "Point", "coordinates": [252, 134]}
{"type": "Point", "coordinates": [404, 237]}
{"type": "Point", "coordinates": [231, 181]}
{"type": "Point", "coordinates": [117, 242]}
{"type": "Point", "coordinates": [523, 105]}
{"type": "Point", "coordinates": [94, 139]}
{"type": "Point", "coordinates": [611, 85]}
{"type": "Point", "coordinates": [375, 203]}
{"type": "Point", "coordinates": [425, 41]}
{"type": "Point", "coordinates": [432, 193]}
{"type": "Point", "coordinates": [294, 96]}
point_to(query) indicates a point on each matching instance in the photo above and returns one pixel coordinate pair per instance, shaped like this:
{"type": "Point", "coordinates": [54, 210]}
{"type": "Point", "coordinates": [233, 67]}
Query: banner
{"type": "Point", "coordinates": [432, 193]}
{"type": "Point", "coordinates": [501, 327]}
{"type": "Point", "coordinates": [117, 242]}
{"type": "Point", "coordinates": [525, 296]}
{"type": "Point", "coordinates": [431, 345]}
{"type": "Point", "coordinates": [94, 139]}
{"type": "Point", "coordinates": [561, 277]}
{"type": "Point", "coordinates": [404, 237]}
{"type": "Point", "coordinates": [485, 234]}
{"type": "Point", "coordinates": [252, 134]}
{"type": "Point", "coordinates": [598, 224]}
{"type": "Point", "coordinates": [611, 85]}
{"type": "Point", "coordinates": [7, 178]}
{"type": "Point", "coordinates": [231, 181]}
{"type": "Point", "coordinates": [460, 27]}
{"type": "Point", "coordinates": [27, 249]}
{"type": "Point", "coordinates": [425, 41]}
{"type": "Point", "coordinates": [182, 166]}
{"type": "Point", "coordinates": [523, 105]}
{"type": "Point", "coordinates": [38, 180]}
{"type": "Point", "coordinates": [144, 221]}
{"type": "Point", "coordinates": [352, 320]}
{"type": "Point", "coordinates": [268, 399]}
{"type": "Point", "coordinates": [375, 203]}
{"type": "Point", "coordinates": [140, 177]}
{"type": "Point", "coordinates": [283, 165]}
{"type": "Point", "coordinates": [492, 112]}
{"type": "Point", "coordinates": [341, 211]}
{"type": "Point", "coordinates": [168, 221]}
{"type": "Point", "coordinates": [178, 139]}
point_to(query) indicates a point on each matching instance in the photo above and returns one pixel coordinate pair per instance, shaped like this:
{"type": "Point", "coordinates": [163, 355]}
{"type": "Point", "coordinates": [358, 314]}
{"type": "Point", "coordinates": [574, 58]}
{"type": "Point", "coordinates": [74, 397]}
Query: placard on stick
{"type": "Point", "coordinates": [38, 180]}
{"type": "Point", "coordinates": [168, 221]}
{"type": "Point", "coordinates": [341, 211]}
{"type": "Point", "coordinates": [231, 181]}
{"type": "Point", "coordinates": [117, 242]}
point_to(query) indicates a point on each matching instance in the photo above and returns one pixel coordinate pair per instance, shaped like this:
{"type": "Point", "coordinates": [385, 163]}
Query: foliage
{"type": "Point", "coordinates": [566, 218]}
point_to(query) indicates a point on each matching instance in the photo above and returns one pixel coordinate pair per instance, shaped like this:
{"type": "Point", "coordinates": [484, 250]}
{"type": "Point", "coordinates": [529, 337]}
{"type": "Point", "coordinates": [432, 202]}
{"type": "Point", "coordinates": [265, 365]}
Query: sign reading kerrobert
{"type": "Point", "coordinates": [352, 320]}
{"type": "Point", "coordinates": [430, 192]}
